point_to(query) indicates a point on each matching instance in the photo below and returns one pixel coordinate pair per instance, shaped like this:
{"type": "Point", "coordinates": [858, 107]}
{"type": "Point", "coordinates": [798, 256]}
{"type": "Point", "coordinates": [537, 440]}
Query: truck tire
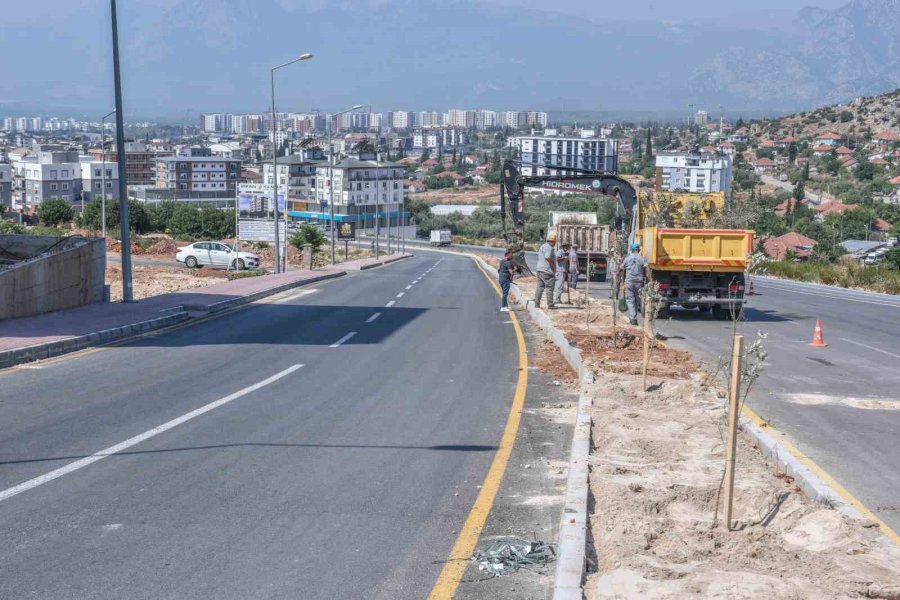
{"type": "Point", "coordinates": [720, 313]}
{"type": "Point", "coordinates": [663, 312]}
{"type": "Point", "coordinates": [704, 308]}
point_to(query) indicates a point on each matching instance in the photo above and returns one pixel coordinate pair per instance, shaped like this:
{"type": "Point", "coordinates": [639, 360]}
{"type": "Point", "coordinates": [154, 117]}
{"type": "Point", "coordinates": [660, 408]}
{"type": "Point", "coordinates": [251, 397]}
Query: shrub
{"type": "Point", "coordinates": [92, 217]}
{"type": "Point", "coordinates": [242, 274]}
{"type": "Point", "coordinates": [308, 234]}
{"type": "Point", "coordinates": [54, 211]}
{"type": "Point", "coordinates": [11, 227]}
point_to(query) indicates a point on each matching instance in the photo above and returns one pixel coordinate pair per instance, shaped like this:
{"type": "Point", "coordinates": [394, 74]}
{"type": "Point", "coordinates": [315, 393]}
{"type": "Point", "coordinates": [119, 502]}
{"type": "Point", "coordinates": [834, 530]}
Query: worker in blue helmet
{"type": "Point", "coordinates": [634, 268]}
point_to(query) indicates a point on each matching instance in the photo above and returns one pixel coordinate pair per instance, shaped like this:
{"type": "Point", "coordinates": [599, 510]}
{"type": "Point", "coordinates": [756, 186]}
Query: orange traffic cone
{"type": "Point", "coordinates": [751, 292]}
{"type": "Point", "coordinates": [818, 342]}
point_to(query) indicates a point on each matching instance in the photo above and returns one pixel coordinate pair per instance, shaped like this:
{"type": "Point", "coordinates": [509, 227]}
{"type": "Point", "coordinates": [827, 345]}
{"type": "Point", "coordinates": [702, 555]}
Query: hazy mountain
{"type": "Point", "coordinates": [188, 56]}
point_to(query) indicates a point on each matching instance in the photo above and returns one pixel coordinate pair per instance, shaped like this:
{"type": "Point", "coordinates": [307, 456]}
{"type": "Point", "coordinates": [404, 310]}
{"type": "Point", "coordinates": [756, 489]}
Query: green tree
{"type": "Point", "coordinates": [91, 218]}
{"type": "Point", "coordinates": [792, 152]}
{"type": "Point", "coordinates": [160, 213]}
{"type": "Point", "coordinates": [54, 211]}
{"type": "Point", "coordinates": [800, 189]}
{"type": "Point", "coordinates": [648, 151]}
{"type": "Point", "coordinates": [7, 226]}
{"type": "Point", "coordinates": [892, 258]}
{"type": "Point", "coordinates": [865, 171]}
{"type": "Point", "coordinates": [308, 234]}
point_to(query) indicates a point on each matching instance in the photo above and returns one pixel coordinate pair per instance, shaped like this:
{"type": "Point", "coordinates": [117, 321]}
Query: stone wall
{"type": "Point", "coordinates": [54, 273]}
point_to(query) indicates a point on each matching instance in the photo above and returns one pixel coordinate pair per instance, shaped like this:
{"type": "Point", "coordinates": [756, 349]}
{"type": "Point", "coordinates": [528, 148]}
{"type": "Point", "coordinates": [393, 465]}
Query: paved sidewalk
{"type": "Point", "coordinates": [85, 320]}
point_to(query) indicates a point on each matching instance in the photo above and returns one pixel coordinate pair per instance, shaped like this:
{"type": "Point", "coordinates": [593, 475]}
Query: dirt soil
{"type": "Point", "coordinates": [152, 281]}
{"type": "Point", "coordinates": [656, 466]}
{"type": "Point", "coordinates": [468, 195]}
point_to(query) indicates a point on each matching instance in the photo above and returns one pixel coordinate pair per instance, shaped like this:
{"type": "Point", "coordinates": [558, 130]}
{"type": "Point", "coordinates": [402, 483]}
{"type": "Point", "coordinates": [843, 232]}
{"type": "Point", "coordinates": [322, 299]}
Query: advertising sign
{"type": "Point", "coordinates": [346, 231]}
{"type": "Point", "coordinates": [259, 230]}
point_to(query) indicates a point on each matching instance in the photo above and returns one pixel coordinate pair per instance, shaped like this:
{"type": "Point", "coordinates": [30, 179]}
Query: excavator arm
{"type": "Point", "coordinates": [512, 200]}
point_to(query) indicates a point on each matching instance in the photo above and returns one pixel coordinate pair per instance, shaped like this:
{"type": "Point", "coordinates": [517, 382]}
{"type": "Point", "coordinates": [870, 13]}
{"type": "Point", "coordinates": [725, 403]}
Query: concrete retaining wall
{"type": "Point", "coordinates": [63, 273]}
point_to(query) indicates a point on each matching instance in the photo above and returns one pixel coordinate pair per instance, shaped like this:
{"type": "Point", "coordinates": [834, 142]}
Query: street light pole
{"type": "Point", "coordinates": [103, 169]}
{"type": "Point", "coordinates": [331, 174]}
{"type": "Point", "coordinates": [306, 56]}
{"type": "Point", "coordinates": [127, 292]}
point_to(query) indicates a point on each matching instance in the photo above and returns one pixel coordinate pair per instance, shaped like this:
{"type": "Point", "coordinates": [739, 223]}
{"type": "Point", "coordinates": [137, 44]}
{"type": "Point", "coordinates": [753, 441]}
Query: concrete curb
{"type": "Point", "coordinates": [388, 261]}
{"type": "Point", "coordinates": [179, 314]}
{"type": "Point", "coordinates": [572, 545]}
{"type": "Point", "coordinates": [811, 484]}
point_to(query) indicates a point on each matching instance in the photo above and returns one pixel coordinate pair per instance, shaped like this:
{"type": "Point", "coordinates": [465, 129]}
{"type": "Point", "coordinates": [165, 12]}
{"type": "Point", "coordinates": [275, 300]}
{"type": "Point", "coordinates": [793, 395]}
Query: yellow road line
{"type": "Point", "coordinates": [822, 474]}
{"type": "Point", "coordinates": [453, 570]}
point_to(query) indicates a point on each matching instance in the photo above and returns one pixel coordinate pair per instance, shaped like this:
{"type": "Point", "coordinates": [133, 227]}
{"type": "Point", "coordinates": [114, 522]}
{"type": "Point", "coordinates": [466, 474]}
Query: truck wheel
{"type": "Point", "coordinates": [663, 312]}
{"type": "Point", "coordinates": [704, 308]}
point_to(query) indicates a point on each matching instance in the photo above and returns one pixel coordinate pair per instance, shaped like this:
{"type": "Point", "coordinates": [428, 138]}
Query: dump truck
{"type": "Point", "coordinates": [694, 266]}
{"type": "Point", "coordinates": [592, 240]}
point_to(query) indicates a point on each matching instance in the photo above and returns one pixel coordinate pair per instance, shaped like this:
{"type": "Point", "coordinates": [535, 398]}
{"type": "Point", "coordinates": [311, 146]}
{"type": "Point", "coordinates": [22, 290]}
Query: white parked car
{"type": "Point", "coordinates": [215, 254]}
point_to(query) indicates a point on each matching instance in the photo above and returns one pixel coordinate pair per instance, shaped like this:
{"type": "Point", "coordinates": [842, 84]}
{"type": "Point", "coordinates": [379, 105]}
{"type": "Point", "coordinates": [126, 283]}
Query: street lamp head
{"type": "Point", "coordinates": [306, 56]}
{"type": "Point", "coordinates": [357, 106]}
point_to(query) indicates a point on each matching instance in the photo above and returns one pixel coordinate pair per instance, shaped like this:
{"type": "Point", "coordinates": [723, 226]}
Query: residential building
{"type": "Point", "coordinates": [365, 190]}
{"type": "Point", "coordinates": [536, 119]}
{"type": "Point", "coordinates": [53, 171]}
{"type": "Point", "coordinates": [401, 119]}
{"type": "Point", "coordinates": [429, 119]}
{"type": "Point", "coordinates": [539, 153]}
{"type": "Point", "coordinates": [140, 162]}
{"type": "Point", "coordinates": [93, 179]}
{"type": "Point", "coordinates": [460, 118]}
{"type": "Point", "coordinates": [513, 119]}
{"type": "Point", "coordinates": [695, 171]}
{"type": "Point", "coordinates": [213, 122]}
{"type": "Point", "coordinates": [297, 177]}
{"type": "Point", "coordinates": [799, 245]}
{"type": "Point", "coordinates": [763, 165]}
{"type": "Point", "coordinates": [701, 118]}
{"type": "Point", "coordinates": [438, 137]}
{"type": "Point", "coordinates": [487, 119]}
{"type": "Point", "coordinates": [198, 173]}
{"type": "Point", "coordinates": [829, 139]}
{"type": "Point", "coordinates": [6, 186]}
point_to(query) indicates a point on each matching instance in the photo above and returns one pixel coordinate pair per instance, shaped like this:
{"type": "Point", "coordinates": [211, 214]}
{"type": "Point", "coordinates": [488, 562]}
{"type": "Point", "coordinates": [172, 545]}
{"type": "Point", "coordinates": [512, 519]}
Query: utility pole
{"type": "Point", "coordinates": [127, 293]}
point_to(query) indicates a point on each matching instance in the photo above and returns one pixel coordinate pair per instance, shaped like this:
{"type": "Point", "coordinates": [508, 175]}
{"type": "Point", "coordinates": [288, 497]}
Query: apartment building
{"type": "Point", "coordinates": [365, 191]}
{"type": "Point", "coordinates": [438, 137]}
{"type": "Point", "coordinates": [212, 123]}
{"type": "Point", "coordinates": [56, 172]}
{"type": "Point", "coordinates": [140, 161]}
{"type": "Point", "coordinates": [197, 173]}
{"type": "Point", "coordinates": [296, 176]}
{"type": "Point", "coordinates": [539, 153]}
{"type": "Point", "coordinates": [696, 171]}
{"type": "Point", "coordinates": [401, 119]}
{"type": "Point", "coordinates": [459, 118]}
{"type": "Point", "coordinates": [6, 186]}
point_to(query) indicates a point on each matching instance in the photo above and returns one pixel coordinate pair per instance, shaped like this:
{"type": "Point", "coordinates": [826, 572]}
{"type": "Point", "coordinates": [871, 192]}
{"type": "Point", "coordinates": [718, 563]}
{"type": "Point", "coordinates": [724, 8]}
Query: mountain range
{"type": "Point", "coordinates": [182, 57]}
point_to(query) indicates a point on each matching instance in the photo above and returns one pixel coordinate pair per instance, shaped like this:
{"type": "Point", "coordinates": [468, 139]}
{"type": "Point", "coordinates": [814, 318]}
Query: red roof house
{"type": "Point", "coordinates": [778, 247]}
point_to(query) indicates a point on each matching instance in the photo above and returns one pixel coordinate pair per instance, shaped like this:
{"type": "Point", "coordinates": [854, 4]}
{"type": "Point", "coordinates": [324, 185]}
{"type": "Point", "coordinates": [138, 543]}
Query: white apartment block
{"type": "Point", "coordinates": [693, 171]}
{"type": "Point", "coordinates": [52, 172]}
{"type": "Point", "coordinates": [214, 122]}
{"type": "Point", "coordinates": [6, 185]}
{"type": "Point", "coordinates": [487, 119]}
{"type": "Point", "coordinates": [459, 118]}
{"type": "Point", "coordinates": [363, 190]}
{"type": "Point", "coordinates": [401, 119]}
{"type": "Point", "coordinates": [429, 119]}
{"type": "Point", "coordinates": [540, 153]}
{"type": "Point", "coordinates": [197, 173]}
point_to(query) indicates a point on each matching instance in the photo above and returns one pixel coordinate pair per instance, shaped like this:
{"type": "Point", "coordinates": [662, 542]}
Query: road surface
{"type": "Point", "coordinates": [840, 405]}
{"type": "Point", "coordinates": [788, 186]}
{"type": "Point", "coordinates": [324, 444]}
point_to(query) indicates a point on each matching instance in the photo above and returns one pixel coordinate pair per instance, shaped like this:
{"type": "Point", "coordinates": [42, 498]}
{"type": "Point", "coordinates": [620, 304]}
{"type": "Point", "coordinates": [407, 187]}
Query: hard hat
{"type": "Point", "coordinates": [551, 237]}
{"type": "Point", "coordinates": [635, 246]}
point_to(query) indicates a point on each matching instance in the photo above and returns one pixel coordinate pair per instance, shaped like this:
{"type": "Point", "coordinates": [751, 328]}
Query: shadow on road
{"type": "Point", "coordinates": [439, 448]}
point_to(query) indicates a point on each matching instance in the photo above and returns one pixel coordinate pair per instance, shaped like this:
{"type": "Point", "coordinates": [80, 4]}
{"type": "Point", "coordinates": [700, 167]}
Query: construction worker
{"type": "Point", "coordinates": [506, 271]}
{"type": "Point", "coordinates": [546, 272]}
{"type": "Point", "coordinates": [573, 267]}
{"type": "Point", "coordinates": [633, 269]}
{"type": "Point", "coordinates": [562, 272]}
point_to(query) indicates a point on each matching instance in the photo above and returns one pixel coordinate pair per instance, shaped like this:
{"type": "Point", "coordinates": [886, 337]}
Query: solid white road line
{"type": "Point", "coordinates": [390, 304]}
{"type": "Point", "coordinates": [400, 295]}
{"type": "Point", "coordinates": [343, 339]}
{"type": "Point", "coordinates": [81, 463]}
{"type": "Point", "coordinates": [373, 317]}
{"type": "Point", "coordinates": [871, 348]}
{"type": "Point", "coordinates": [826, 295]}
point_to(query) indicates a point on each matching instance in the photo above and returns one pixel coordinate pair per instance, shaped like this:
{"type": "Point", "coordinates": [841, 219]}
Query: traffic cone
{"type": "Point", "coordinates": [818, 342]}
{"type": "Point", "coordinates": [751, 292]}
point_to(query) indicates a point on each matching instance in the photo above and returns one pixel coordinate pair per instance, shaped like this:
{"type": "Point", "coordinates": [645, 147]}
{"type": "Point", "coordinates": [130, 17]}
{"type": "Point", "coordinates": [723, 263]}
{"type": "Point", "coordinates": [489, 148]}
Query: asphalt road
{"type": "Point", "coordinates": [840, 405]}
{"type": "Point", "coordinates": [265, 453]}
{"type": "Point", "coordinates": [789, 187]}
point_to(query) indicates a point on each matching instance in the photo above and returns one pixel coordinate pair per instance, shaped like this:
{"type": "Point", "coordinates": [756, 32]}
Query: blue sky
{"type": "Point", "coordinates": [191, 56]}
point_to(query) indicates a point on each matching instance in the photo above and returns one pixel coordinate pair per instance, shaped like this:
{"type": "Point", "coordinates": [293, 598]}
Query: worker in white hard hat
{"type": "Point", "coordinates": [546, 272]}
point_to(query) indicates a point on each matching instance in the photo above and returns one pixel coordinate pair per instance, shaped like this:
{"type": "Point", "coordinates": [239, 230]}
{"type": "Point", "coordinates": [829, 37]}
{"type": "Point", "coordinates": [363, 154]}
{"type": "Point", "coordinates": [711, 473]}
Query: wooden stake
{"type": "Point", "coordinates": [648, 331]}
{"type": "Point", "coordinates": [587, 289]}
{"type": "Point", "coordinates": [731, 443]}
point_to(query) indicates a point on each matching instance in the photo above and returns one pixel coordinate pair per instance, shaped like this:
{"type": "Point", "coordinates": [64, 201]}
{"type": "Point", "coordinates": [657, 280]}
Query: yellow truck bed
{"type": "Point", "coordinates": [716, 250]}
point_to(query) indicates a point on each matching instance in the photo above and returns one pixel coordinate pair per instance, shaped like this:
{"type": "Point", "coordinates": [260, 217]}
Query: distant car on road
{"type": "Point", "coordinates": [783, 177]}
{"type": "Point", "coordinates": [215, 254]}
{"type": "Point", "coordinates": [441, 237]}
